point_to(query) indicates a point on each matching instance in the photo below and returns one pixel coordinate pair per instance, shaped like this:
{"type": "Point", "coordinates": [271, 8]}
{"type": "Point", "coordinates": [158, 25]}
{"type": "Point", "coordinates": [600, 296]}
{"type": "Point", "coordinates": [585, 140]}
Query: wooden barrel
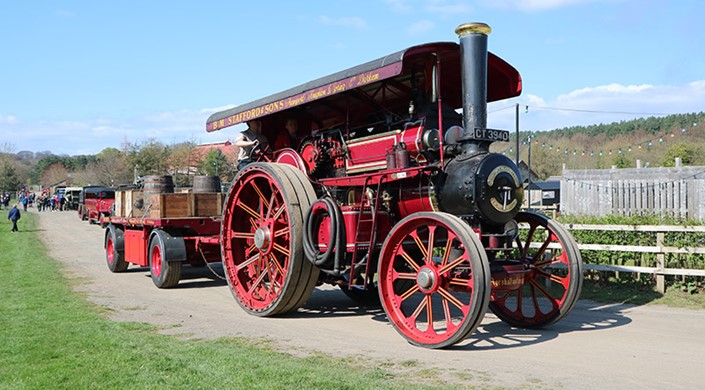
{"type": "Point", "coordinates": [158, 185]}
{"type": "Point", "coordinates": [204, 184]}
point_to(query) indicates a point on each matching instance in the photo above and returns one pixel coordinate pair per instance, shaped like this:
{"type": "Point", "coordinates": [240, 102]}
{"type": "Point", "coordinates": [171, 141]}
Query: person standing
{"type": "Point", "coordinates": [14, 216]}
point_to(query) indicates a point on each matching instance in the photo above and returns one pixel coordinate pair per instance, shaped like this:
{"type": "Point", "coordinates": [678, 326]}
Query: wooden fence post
{"type": "Point", "coordinates": [661, 260]}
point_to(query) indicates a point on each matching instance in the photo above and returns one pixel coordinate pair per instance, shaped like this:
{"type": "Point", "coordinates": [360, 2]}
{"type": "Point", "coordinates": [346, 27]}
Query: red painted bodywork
{"type": "Point", "coordinates": [201, 236]}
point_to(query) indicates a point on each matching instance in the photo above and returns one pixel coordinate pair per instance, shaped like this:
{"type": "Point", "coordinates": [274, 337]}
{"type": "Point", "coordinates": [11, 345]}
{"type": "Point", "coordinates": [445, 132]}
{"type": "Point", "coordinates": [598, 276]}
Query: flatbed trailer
{"type": "Point", "coordinates": [162, 244]}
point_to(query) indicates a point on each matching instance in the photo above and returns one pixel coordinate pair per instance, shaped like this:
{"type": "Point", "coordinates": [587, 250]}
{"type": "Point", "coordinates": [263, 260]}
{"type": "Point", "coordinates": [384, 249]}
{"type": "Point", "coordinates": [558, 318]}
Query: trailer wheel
{"type": "Point", "coordinates": [261, 239]}
{"type": "Point", "coordinates": [434, 280]}
{"type": "Point", "coordinates": [165, 273]}
{"type": "Point", "coordinates": [554, 282]}
{"type": "Point", "coordinates": [115, 249]}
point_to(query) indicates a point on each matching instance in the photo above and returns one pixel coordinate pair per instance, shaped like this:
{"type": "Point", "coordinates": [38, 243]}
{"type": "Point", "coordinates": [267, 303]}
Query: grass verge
{"type": "Point", "coordinates": [51, 338]}
{"type": "Point", "coordinates": [633, 292]}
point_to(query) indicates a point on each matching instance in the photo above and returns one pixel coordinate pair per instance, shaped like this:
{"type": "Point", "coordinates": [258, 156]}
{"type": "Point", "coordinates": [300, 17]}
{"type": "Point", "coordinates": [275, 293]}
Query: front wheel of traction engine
{"type": "Point", "coordinates": [434, 279]}
{"type": "Point", "coordinates": [554, 279]}
{"type": "Point", "coordinates": [165, 273]}
{"type": "Point", "coordinates": [262, 239]}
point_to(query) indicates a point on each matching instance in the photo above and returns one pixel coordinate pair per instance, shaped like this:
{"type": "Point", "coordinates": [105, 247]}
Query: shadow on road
{"type": "Point", "coordinates": [492, 334]}
{"type": "Point", "coordinates": [333, 303]}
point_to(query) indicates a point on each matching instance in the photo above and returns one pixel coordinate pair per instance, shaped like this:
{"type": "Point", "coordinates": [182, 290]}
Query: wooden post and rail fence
{"type": "Point", "coordinates": [660, 249]}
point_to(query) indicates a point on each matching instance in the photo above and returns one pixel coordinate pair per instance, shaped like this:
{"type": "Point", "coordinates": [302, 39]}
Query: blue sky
{"type": "Point", "coordinates": [80, 76]}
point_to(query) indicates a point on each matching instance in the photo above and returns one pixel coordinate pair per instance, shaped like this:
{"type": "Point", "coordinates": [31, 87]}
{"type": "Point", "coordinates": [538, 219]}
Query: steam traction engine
{"type": "Point", "coordinates": [394, 196]}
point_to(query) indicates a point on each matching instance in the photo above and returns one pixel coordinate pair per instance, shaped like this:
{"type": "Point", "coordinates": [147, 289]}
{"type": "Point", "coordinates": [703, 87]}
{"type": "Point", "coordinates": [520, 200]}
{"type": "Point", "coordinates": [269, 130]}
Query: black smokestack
{"type": "Point", "coordinates": [473, 65]}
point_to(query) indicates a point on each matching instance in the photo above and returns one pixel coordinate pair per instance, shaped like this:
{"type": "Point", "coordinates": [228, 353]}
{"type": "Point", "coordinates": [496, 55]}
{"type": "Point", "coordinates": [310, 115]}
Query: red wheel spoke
{"type": "Point", "coordinates": [429, 314]}
{"type": "Point", "coordinates": [411, 291]}
{"type": "Point", "coordinates": [244, 235]}
{"type": "Point", "coordinates": [281, 249]}
{"type": "Point", "coordinates": [446, 252]}
{"type": "Point", "coordinates": [419, 308]}
{"type": "Point", "coordinates": [553, 277]}
{"type": "Point", "coordinates": [410, 261]}
{"type": "Point", "coordinates": [277, 265]}
{"type": "Point", "coordinates": [551, 298]}
{"type": "Point", "coordinates": [452, 264]}
{"type": "Point", "coordinates": [520, 302]}
{"type": "Point", "coordinates": [257, 282]}
{"type": "Point", "coordinates": [259, 193]}
{"type": "Point", "coordinates": [552, 260]}
{"type": "Point", "coordinates": [419, 244]}
{"type": "Point", "coordinates": [448, 296]}
{"type": "Point", "coordinates": [541, 250]}
{"type": "Point", "coordinates": [431, 239]}
{"type": "Point", "coordinates": [247, 262]}
{"type": "Point", "coordinates": [405, 276]}
{"type": "Point", "coordinates": [446, 314]}
{"type": "Point", "coordinates": [282, 232]}
{"type": "Point", "coordinates": [460, 282]}
{"type": "Point", "coordinates": [529, 238]}
{"type": "Point", "coordinates": [249, 210]}
{"type": "Point", "coordinates": [278, 213]}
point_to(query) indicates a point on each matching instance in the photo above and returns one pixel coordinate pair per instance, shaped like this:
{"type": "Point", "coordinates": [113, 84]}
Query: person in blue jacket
{"type": "Point", "coordinates": [14, 216]}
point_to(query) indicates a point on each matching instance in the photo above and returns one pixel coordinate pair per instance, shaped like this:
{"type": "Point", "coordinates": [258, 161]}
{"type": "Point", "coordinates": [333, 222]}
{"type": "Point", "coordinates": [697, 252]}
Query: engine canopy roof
{"type": "Point", "coordinates": [381, 88]}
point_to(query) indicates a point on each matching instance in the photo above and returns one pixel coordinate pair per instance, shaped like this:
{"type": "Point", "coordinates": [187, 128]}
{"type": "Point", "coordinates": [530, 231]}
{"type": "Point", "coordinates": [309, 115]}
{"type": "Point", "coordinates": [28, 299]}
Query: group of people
{"type": "Point", "coordinates": [253, 138]}
{"type": "Point", "coordinates": [56, 202]}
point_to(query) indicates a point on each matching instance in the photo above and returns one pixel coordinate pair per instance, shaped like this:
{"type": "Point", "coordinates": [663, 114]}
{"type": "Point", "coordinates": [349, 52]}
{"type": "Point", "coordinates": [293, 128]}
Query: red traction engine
{"type": "Point", "coordinates": [396, 198]}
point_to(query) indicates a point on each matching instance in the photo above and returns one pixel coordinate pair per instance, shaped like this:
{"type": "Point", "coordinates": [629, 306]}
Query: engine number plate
{"type": "Point", "coordinates": [490, 135]}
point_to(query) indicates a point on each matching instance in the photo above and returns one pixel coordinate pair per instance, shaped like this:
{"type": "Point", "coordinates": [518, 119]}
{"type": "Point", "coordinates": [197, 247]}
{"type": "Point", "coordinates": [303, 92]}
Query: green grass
{"type": "Point", "coordinates": [51, 338]}
{"type": "Point", "coordinates": [634, 292]}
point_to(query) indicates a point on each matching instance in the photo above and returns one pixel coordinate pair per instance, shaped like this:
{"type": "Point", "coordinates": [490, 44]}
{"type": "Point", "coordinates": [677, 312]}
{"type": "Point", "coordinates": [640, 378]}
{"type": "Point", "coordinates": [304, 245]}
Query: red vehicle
{"type": "Point", "coordinates": [393, 196]}
{"type": "Point", "coordinates": [162, 244]}
{"type": "Point", "coordinates": [97, 202]}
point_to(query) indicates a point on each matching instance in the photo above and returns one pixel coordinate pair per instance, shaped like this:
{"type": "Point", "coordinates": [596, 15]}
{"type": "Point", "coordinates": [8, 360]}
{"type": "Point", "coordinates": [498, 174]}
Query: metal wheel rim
{"type": "Point", "coordinates": [110, 252]}
{"type": "Point", "coordinates": [441, 300]}
{"type": "Point", "coordinates": [552, 286]}
{"type": "Point", "coordinates": [257, 273]}
{"type": "Point", "coordinates": [156, 261]}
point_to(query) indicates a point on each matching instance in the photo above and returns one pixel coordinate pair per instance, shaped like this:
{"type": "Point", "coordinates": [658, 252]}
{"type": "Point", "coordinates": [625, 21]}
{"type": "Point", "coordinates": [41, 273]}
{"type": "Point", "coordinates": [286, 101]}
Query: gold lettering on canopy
{"type": "Point", "coordinates": [308, 96]}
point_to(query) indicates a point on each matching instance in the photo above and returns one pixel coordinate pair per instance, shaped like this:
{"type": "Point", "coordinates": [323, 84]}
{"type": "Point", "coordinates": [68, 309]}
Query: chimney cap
{"type": "Point", "coordinates": [473, 28]}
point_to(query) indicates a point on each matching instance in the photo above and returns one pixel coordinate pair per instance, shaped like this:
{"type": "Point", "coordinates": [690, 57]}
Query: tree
{"type": "Point", "coordinates": [215, 164]}
{"type": "Point", "coordinates": [682, 150]}
{"type": "Point", "coordinates": [53, 174]}
{"type": "Point", "coordinates": [8, 177]}
{"type": "Point", "coordinates": [149, 158]}
{"type": "Point", "coordinates": [181, 160]}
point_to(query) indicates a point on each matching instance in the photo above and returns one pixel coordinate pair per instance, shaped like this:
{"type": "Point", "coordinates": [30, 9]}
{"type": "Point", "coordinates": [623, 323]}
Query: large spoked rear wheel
{"type": "Point", "coordinates": [261, 239]}
{"type": "Point", "coordinates": [434, 280]}
{"type": "Point", "coordinates": [555, 277]}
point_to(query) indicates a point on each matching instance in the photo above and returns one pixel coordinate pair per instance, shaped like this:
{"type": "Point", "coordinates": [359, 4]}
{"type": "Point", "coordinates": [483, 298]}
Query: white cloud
{"type": "Point", "coordinates": [600, 104]}
{"type": "Point", "coordinates": [92, 136]}
{"type": "Point", "coordinates": [535, 5]}
{"type": "Point", "coordinates": [420, 27]}
{"type": "Point", "coordinates": [8, 119]}
{"type": "Point", "coordinates": [352, 21]}
{"type": "Point", "coordinates": [399, 5]}
{"type": "Point", "coordinates": [444, 8]}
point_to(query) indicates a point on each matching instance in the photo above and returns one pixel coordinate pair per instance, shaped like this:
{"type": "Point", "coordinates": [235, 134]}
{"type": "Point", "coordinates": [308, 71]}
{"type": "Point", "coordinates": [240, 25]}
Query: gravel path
{"type": "Point", "coordinates": [596, 346]}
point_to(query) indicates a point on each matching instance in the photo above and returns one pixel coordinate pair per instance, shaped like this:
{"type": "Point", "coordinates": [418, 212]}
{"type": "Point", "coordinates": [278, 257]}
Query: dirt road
{"type": "Point", "coordinates": [596, 346]}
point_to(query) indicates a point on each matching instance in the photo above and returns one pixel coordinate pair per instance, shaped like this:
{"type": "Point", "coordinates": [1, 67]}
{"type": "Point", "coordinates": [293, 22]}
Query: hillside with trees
{"type": "Point", "coordinates": [655, 141]}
